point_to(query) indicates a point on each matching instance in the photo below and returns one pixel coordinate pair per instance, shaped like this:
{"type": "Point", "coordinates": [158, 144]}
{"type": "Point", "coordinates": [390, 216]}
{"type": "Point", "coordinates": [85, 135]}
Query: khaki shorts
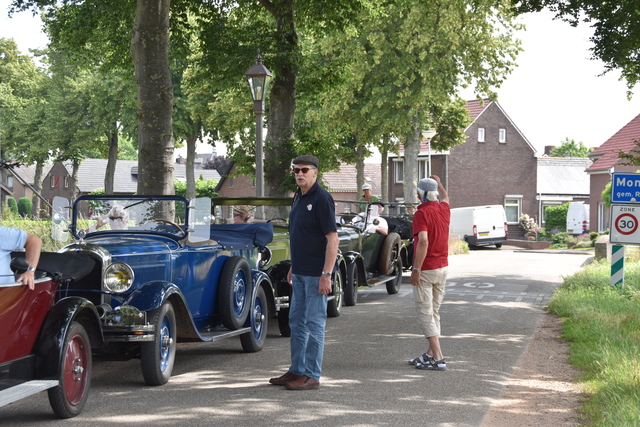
{"type": "Point", "coordinates": [428, 296]}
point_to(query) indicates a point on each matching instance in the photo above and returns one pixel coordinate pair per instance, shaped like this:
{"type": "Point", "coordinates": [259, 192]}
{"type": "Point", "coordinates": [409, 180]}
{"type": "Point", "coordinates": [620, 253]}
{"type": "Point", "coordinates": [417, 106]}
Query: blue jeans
{"type": "Point", "coordinates": [307, 319]}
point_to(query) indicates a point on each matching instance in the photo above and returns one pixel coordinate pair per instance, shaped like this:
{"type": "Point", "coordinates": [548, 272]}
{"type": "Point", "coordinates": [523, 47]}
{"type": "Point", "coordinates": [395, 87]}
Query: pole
{"type": "Point", "coordinates": [259, 156]}
{"type": "Point", "coordinates": [617, 266]}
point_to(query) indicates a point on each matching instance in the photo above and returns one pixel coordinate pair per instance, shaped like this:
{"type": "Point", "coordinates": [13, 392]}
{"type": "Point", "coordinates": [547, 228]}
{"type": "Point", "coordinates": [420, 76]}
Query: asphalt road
{"type": "Point", "coordinates": [494, 301]}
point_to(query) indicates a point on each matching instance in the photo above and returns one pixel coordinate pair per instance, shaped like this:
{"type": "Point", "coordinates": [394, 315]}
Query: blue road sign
{"type": "Point", "coordinates": [625, 188]}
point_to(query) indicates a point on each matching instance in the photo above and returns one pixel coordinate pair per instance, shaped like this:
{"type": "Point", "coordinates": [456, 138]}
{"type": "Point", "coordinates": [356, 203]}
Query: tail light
{"type": "Point", "coordinates": [506, 231]}
{"type": "Point", "coordinates": [475, 230]}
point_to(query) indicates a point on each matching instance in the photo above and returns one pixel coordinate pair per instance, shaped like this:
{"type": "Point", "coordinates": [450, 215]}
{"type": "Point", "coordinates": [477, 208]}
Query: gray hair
{"type": "Point", "coordinates": [118, 210]}
{"type": "Point", "coordinates": [431, 196]}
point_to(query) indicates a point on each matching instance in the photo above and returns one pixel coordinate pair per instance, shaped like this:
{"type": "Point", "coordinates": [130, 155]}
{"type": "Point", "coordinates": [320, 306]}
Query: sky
{"type": "Point", "coordinates": [555, 92]}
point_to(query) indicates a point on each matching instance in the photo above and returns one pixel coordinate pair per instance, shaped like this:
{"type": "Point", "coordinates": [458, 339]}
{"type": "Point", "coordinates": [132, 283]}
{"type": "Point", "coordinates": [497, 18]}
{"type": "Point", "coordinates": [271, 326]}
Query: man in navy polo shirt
{"type": "Point", "coordinates": [314, 248]}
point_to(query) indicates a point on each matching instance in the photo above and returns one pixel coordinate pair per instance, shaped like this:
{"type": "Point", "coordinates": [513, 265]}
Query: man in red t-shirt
{"type": "Point", "coordinates": [430, 266]}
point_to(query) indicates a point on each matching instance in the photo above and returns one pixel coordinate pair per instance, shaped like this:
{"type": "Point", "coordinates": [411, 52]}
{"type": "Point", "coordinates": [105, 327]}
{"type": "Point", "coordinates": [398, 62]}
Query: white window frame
{"type": "Point", "coordinates": [511, 201]}
{"type": "Point", "coordinates": [481, 135]}
{"type": "Point", "coordinates": [398, 171]}
{"type": "Point", "coordinates": [10, 181]}
{"type": "Point", "coordinates": [66, 182]}
{"type": "Point", "coordinates": [603, 218]}
{"type": "Point", "coordinates": [502, 136]}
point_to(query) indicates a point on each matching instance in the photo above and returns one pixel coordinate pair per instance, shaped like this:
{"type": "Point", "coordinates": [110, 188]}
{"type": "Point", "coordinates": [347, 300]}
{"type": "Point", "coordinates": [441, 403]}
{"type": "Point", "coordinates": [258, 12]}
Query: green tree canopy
{"type": "Point", "coordinates": [571, 148]}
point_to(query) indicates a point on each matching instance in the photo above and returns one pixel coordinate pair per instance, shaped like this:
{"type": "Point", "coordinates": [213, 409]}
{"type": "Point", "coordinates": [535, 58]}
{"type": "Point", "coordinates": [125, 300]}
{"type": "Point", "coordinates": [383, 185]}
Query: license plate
{"type": "Point", "coordinates": [484, 234]}
{"type": "Point", "coordinates": [569, 231]}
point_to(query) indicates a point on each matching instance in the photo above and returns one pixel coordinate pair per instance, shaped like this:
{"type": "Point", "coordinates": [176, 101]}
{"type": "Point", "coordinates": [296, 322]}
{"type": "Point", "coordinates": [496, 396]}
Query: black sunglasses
{"type": "Point", "coordinates": [116, 218]}
{"type": "Point", "coordinates": [303, 170]}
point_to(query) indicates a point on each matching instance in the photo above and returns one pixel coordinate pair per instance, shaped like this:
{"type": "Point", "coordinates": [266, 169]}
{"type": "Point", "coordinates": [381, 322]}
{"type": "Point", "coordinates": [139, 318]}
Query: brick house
{"type": "Point", "coordinates": [236, 186]}
{"type": "Point", "coordinates": [496, 165]}
{"type": "Point", "coordinates": [341, 184]}
{"type": "Point", "coordinates": [605, 162]}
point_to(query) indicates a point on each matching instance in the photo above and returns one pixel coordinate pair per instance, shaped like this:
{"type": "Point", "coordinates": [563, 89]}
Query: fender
{"type": "Point", "coordinates": [262, 279]}
{"type": "Point", "coordinates": [152, 295]}
{"type": "Point", "coordinates": [49, 351]}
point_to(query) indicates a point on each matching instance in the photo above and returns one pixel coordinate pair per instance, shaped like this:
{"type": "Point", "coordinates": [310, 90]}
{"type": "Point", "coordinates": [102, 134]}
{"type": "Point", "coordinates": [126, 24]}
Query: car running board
{"type": "Point", "coordinates": [23, 390]}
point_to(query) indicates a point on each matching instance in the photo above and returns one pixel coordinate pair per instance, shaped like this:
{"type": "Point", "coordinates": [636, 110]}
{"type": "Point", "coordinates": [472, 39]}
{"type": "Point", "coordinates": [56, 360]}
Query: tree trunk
{"type": "Point", "coordinates": [110, 173]}
{"type": "Point", "coordinates": [282, 104]}
{"type": "Point", "coordinates": [384, 176]}
{"type": "Point", "coordinates": [37, 185]}
{"type": "Point", "coordinates": [359, 167]}
{"type": "Point", "coordinates": [191, 155]}
{"type": "Point", "coordinates": [74, 176]}
{"type": "Point", "coordinates": [150, 53]}
{"type": "Point", "coordinates": [411, 152]}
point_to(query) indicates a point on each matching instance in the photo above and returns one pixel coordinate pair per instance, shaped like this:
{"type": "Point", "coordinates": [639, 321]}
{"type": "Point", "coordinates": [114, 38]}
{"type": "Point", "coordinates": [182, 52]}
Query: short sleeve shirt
{"type": "Point", "coordinates": [312, 217]}
{"type": "Point", "coordinates": [434, 218]}
{"type": "Point", "coordinates": [11, 239]}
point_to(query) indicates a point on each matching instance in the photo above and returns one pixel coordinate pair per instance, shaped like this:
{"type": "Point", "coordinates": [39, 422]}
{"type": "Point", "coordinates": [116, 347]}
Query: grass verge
{"type": "Point", "coordinates": [602, 325]}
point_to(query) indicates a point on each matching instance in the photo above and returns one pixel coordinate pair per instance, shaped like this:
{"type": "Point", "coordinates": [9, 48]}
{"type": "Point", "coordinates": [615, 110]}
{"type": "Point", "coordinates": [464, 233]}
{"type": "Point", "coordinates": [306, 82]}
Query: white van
{"type": "Point", "coordinates": [480, 225]}
{"type": "Point", "coordinates": [578, 218]}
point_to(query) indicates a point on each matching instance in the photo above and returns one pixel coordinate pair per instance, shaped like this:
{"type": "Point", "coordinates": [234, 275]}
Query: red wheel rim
{"type": "Point", "coordinates": [75, 373]}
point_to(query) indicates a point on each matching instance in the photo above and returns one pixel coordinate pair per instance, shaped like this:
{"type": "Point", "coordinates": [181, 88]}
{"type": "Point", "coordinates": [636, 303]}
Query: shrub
{"type": "Point", "coordinates": [556, 217]}
{"type": "Point", "coordinates": [12, 204]}
{"type": "Point", "coordinates": [24, 207]}
{"type": "Point", "coordinates": [560, 238]}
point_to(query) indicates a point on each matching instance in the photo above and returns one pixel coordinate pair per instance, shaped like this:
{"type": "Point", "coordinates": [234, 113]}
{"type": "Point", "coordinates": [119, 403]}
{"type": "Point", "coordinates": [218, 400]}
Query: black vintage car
{"type": "Point", "coordinates": [364, 259]}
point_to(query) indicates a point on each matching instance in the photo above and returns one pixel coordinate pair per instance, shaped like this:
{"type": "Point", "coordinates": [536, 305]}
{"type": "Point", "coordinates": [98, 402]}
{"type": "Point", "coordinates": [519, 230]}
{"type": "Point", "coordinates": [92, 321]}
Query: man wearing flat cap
{"type": "Point", "coordinates": [314, 248]}
{"type": "Point", "coordinates": [430, 267]}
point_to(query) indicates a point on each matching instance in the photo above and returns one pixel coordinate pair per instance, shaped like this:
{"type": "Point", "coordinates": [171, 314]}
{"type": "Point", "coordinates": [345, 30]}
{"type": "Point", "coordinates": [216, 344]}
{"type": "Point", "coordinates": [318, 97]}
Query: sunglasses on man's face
{"type": "Point", "coordinates": [303, 170]}
{"type": "Point", "coordinates": [237, 214]}
{"type": "Point", "coordinates": [116, 218]}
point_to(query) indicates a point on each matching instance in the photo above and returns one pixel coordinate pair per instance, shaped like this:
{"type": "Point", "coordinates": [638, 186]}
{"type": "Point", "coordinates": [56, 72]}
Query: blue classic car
{"type": "Point", "coordinates": [164, 273]}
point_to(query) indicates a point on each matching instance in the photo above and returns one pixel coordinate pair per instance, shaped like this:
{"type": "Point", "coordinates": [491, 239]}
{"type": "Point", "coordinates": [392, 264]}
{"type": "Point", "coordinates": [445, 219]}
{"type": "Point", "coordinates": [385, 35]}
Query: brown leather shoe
{"type": "Point", "coordinates": [303, 383]}
{"type": "Point", "coordinates": [284, 379]}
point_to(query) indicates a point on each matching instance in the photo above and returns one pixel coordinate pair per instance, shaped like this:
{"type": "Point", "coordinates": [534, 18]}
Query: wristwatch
{"type": "Point", "coordinates": [326, 273]}
{"type": "Point", "coordinates": [31, 268]}
{"type": "Point", "coordinates": [415, 269]}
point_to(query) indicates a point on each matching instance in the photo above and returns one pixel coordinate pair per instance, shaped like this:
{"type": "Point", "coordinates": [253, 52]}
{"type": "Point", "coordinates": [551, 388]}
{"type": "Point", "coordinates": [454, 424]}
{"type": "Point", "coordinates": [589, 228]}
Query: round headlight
{"type": "Point", "coordinates": [118, 277]}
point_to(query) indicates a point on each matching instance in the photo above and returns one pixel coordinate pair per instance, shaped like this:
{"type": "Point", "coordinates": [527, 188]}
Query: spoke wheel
{"type": "Point", "coordinates": [69, 397]}
{"type": "Point", "coordinates": [259, 320]}
{"type": "Point", "coordinates": [334, 306]}
{"type": "Point", "coordinates": [157, 356]}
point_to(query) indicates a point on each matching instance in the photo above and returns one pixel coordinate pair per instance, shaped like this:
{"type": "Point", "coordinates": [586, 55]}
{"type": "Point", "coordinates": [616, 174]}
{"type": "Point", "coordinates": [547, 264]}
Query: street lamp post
{"type": "Point", "coordinates": [259, 78]}
{"type": "Point", "coordinates": [428, 134]}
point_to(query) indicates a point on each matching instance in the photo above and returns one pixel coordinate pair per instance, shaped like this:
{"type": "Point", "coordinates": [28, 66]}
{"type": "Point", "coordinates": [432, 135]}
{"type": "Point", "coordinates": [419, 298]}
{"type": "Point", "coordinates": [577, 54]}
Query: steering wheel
{"type": "Point", "coordinates": [167, 222]}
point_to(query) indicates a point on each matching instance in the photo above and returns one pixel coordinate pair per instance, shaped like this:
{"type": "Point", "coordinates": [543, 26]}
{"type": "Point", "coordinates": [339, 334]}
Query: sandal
{"type": "Point", "coordinates": [432, 365]}
{"type": "Point", "coordinates": [421, 359]}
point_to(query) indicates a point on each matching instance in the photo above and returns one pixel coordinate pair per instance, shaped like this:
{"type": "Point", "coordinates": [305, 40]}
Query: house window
{"type": "Point", "coordinates": [480, 134]}
{"type": "Point", "coordinates": [66, 182]}
{"type": "Point", "coordinates": [10, 182]}
{"type": "Point", "coordinates": [399, 166]}
{"type": "Point", "coordinates": [55, 181]}
{"type": "Point", "coordinates": [502, 136]}
{"type": "Point", "coordinates": [422, 169]}
{"type": "Point", "coordinates": [603, 217]}
{"type": "Point", "coordinates": [399, 169]}
{"type": "Point", "coordinates": [513, 208]}
{"type": "Point", "coordinates": [232, 182]}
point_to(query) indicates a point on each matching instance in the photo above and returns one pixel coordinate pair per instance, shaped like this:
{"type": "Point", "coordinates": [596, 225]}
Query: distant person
{"type": "Point", "coordinates": [430, 267]}
{"type": "Point", "coordinates": [374, 222]}
{"type": "Point", "coordinates": [117, 219]}
{"type": "Point", "coordinates": [241, 215]}
{"type": "Point", "coordinates": [411, 210]}
{"type": "Point", "coordinates": [314, 248]}
{"type": "Point", "coordinates": [367, 196]}
{"type": "Point", "coordinates": [14, 239]}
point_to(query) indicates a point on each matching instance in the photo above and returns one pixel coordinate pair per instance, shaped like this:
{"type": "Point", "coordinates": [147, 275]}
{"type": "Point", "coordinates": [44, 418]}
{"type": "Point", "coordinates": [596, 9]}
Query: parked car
{"type": "Point", "coordinates": [578, 218]}
{"type": "Point", "coordinates": [276, 259]}
{"type": "Point", "coordinates": [364, 259]}
{"type": "Point", "coordinates": [480, 225]}
{"type": "Point", "coordinates": [46, 335]}
{"type": "Point", "coordinates": [164, 274]}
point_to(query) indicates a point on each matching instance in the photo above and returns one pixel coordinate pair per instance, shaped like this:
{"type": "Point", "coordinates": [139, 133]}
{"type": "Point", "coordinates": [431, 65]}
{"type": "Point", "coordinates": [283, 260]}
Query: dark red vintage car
{"type": "Point", "coordinates": [45, 337]}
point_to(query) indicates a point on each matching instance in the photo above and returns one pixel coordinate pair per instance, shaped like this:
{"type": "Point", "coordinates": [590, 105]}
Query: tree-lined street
{"type": "Point", "coordinates": [494, 302]}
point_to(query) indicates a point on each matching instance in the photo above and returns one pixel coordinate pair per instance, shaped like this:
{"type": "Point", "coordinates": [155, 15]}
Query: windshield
{"type": "Point", "coordinates": [104, 214]}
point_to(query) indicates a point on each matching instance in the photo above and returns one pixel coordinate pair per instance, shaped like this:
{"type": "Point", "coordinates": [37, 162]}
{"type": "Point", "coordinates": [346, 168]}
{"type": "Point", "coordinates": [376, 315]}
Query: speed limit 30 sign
{"type": "Point", "coordinates": [624, 224]}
